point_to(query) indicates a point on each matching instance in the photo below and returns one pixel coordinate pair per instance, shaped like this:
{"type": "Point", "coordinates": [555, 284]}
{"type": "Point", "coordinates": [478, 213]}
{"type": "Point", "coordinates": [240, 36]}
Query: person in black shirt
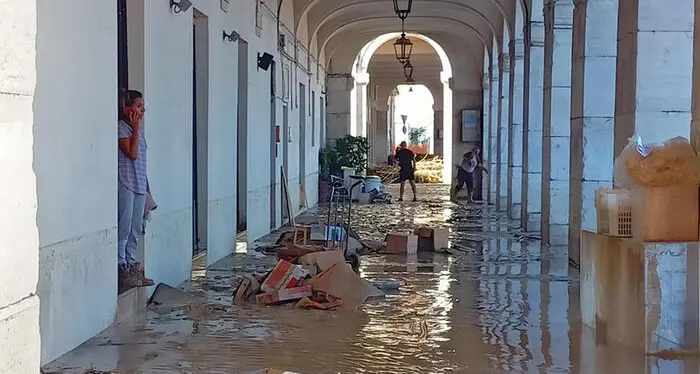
{"type": "Point", "coordinates": [407, 165]}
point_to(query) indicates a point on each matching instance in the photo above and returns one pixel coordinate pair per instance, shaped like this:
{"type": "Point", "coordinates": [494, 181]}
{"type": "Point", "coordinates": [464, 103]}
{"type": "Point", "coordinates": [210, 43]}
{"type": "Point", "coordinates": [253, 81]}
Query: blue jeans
{"type": "Point", "coordinates": [130, 208]}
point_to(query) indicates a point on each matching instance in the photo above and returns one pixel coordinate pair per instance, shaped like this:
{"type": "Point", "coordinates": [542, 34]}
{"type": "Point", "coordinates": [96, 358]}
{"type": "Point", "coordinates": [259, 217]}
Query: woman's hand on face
{"type": "Point", "coordinates": [134, 119]}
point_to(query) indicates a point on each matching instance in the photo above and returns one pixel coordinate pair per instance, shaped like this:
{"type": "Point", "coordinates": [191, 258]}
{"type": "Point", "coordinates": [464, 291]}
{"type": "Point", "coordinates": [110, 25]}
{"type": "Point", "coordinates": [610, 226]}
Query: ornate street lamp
{"type": "Point", "coordinates": [403, 8]}
{"type": "Point", "coordinates": [408, 72]}
{"type": "Point", "coordinates": [404, 118]}
{"type": "Point", "coordinates": [403, 47]}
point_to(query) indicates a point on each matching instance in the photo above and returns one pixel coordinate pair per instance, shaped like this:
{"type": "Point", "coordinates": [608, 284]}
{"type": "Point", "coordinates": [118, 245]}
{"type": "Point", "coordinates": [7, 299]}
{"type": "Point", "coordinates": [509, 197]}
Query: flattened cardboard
{"type": "Point", "coordinates": [340, 281]}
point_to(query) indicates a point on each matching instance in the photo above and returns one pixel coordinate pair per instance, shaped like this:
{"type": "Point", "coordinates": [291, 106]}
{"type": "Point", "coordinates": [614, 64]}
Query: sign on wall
{"type": "Point", "coordinates": [471, 124]}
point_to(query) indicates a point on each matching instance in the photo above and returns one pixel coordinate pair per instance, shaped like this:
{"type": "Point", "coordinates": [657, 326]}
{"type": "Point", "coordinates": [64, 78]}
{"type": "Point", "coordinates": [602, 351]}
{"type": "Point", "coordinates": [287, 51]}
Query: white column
{"type": "Point", "coordinates": [556, 122]}
{"type": "Point", "coordinates": [531, 208]}
{"type": "Point", "coordinates": [515, 136]}
{"type": "Point", "coordinates": [654, 70]}
{"type": "Point", "coordinates": [503, 120]}
{"type": "Point", "coordinates": [592, 112]}
{"type": "Point", "coordinates": [361, 83]}
{"type": "Point", "coordinates": [339, 99]}
{"type": "Point", "coordinates": [19, 304]}
{"type": "Point", "coordinates": [486, 136]}
{"type": "Point", "coordinates": [493, 136]}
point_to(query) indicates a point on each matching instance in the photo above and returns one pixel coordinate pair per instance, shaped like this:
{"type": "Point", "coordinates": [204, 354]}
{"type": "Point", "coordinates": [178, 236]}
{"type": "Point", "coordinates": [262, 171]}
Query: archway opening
{"type": "Point", "coordinates": [412, 119]}
{"type": "Point", "coordinates": [363, 97]}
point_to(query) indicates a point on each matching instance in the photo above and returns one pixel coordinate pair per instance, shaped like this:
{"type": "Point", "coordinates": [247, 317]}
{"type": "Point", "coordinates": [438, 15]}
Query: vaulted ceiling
{"type": "Point", "coordinates": [338, 29]}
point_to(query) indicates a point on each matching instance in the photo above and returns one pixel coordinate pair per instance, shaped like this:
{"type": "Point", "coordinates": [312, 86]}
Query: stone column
{"type": "Point", "coordinates": [515, 135]}
{"type": "Point", "coordinates": [531, 208]}
{"type": "Point", "coordinates": [361, 83]}
{"type": "Point", "coordinates": [493, 136]}
{"type": "Point", "coordinates": [556, 122]}
{"type": "Point", "coordinates": [503, 126]}
{"type": "Point", "coordinates": [338, 120]}
{"type": "Point", "coordinates": [654, 70]}
{"type": "Point", "coordinates": [486, 135]}
{"type": "Point", "coordinates": [19, 304]}
{"type": "Point", "coordinates": [592, 112]}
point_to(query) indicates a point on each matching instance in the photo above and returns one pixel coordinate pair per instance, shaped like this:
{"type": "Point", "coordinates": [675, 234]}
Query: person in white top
{"type": "Point", "coordinates": [465, 174]}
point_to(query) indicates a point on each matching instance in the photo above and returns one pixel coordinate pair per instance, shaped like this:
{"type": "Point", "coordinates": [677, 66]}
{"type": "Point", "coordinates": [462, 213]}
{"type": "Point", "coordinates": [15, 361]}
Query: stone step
{"type": "Point", "coordinates": [130, 303]}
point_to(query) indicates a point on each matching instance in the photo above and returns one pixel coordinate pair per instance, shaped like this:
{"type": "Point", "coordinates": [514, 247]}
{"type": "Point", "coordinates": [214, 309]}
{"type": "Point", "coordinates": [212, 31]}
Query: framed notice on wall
{"type": "Point", "coordinates": [471, 125]}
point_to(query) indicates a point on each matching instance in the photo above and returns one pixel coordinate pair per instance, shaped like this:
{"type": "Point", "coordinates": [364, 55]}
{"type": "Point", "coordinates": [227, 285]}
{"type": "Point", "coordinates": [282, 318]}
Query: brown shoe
{"type": "Point", "coordinates": [136, 271]}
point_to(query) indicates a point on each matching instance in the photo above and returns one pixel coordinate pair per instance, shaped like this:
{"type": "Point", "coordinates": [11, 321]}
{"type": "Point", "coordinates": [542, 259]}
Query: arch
{"type": "Point", "coordinates": [308, 5]}
{"type": "Point", "coordinates": [339, 30]}
{"type": "Point", "coordinates": [369, 36]}
{"type": "Point", "coordinates": [359, 72]}
{"type": "Point", "coordinates": [327, 17]}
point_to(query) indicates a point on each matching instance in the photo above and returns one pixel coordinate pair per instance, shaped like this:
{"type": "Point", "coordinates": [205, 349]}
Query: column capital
{"type": "Point", "coordinates": [361, 78]}
{"type": "Point", "coordinates": [519, 50]}
{"type": "Point", "coordinates": [505, 62]}
{"type": "Point", "coordinates": [537, 34]}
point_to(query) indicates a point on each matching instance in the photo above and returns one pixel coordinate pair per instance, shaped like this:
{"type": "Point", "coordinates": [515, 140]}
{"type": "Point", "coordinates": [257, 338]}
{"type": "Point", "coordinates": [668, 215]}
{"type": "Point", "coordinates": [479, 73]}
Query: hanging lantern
{"type": "Point", "coordinates": [403, 8]}
{"type": "Point", "coordinates": [403, 47]}
{"type": "Point", "coordinates": [408, 71]}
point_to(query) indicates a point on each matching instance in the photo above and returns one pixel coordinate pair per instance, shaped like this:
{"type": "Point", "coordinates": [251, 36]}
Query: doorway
{"type": "Point", "coordinates": [273, 147]}
{"type": "Point", "coordinates": [285, 161]}
{"type": "Point", "coordinates": [242, 161]}
{"type": "Point", "coordinates": [302, 142]}
{"type": "Point", "coordinates": [200, 129]}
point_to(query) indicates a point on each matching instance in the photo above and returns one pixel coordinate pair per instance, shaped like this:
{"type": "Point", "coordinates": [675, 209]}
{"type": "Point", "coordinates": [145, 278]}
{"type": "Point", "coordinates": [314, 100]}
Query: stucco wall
{"type": "Point", "coordinates": [19, 303]}
{"type": "Point", "coordinates": [75, 154]}
{"type": "Point", "coordinates": [75, 149]}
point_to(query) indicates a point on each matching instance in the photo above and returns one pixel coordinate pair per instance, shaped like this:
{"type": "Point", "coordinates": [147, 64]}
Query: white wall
{"type": "Point", "coordinates": [19, 304]}
{"type": "Point", "coordinates": [75, 149]}
{"type": "Point", "coordinates": [73, 132]}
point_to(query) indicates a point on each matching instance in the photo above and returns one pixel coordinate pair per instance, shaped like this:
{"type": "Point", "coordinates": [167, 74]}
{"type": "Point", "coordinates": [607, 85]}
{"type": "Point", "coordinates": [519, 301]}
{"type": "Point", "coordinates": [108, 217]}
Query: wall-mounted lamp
{"type": "Point", "coordinates": [180, 5]}
{"type": "Point", "coordinates": [232, 37]}
{"type": "Point", "coordinates": [265, 60]}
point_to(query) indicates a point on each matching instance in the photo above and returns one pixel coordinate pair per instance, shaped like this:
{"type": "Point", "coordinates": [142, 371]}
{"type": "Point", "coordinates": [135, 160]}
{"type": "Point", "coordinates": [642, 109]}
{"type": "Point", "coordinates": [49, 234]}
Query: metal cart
{"type": "Point", "coordinates": [340, 218]}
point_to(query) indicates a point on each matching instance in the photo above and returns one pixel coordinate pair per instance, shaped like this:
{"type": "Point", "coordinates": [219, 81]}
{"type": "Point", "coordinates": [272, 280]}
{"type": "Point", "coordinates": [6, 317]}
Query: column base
{"type": "Point", "coordinates": [656, 284]}
{"type": "Point", "coordinates": [533, 223]}
{"type": "Point", "coordinates": [558, 235]}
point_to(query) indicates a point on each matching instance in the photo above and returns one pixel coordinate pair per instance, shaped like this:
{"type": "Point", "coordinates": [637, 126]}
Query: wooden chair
{"type": "Point", "coordinates": [304, 231]}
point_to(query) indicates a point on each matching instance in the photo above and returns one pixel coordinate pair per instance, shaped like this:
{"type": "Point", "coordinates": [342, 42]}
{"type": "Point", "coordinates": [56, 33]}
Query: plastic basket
{"type": "Point", "coordinates": [614, 211]}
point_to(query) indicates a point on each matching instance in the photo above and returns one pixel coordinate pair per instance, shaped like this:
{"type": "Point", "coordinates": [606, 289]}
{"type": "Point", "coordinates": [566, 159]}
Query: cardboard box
{"type": "Point", "coordinates": [323, 260]}
{"type": "Point", "coordinates": [278, 276]}
{"type": "Point", "coordinates": [401, 244]}
{"type": "Point", "coordinates": [431, 239]}
{"type": "Point", "coordinates": [286, 294]}
{"type": "Point", "coordinates": [665, 214]}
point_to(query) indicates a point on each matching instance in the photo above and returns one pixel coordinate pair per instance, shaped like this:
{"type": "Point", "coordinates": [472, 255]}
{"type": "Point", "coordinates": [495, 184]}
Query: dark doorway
{"type": "Point", "coordinates": [273, 147]}
{"type": "Point", "coordinates": [242, 162]}
{"type": "Point", "coordinates": [122, 46]}
{"type": "Point", "coordinates": [302, 140]}
{"type": "Point", "coordinates": [200, 128]}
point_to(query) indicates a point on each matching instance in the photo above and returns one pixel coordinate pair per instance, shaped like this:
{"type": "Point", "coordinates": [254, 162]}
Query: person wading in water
{"type": "Point", "coordinates": [465, 174]}
{"type": "Point", "coordinates": [407, 165]}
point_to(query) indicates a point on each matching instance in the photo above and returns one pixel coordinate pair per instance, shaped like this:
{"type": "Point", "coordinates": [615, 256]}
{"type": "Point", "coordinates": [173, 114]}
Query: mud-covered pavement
{"type": "Point", "coordinates": [498, 304]}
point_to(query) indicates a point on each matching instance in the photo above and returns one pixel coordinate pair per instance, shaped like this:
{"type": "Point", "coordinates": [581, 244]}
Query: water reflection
{"type": "Point", "coordinates": [498, 304]}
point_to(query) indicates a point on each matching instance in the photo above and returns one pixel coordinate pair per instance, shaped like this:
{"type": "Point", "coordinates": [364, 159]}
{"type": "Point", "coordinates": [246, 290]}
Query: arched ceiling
{"type": "Point", "coordinates": [462, 27]}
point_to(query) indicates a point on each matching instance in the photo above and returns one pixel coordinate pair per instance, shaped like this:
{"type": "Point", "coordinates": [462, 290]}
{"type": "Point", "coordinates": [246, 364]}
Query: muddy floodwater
{"type": "Point", "coordinates": [499, 303]}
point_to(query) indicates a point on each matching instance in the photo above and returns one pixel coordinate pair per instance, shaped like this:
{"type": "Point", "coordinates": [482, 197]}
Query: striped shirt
{"type": "Point", "coordinates": [132, 173]}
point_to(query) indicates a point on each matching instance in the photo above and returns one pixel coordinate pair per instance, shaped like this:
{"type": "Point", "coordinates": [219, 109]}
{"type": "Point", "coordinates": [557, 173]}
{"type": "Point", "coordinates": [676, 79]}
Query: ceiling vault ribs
{"type": "Point", "coordinates": [330, 9]}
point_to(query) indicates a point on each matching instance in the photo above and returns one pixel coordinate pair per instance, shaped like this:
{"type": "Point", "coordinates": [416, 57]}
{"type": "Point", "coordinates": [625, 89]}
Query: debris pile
{"type": "Point", "coordinates": [428, 170]}
{"type": "Point", "coordinates": [313, 276]}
